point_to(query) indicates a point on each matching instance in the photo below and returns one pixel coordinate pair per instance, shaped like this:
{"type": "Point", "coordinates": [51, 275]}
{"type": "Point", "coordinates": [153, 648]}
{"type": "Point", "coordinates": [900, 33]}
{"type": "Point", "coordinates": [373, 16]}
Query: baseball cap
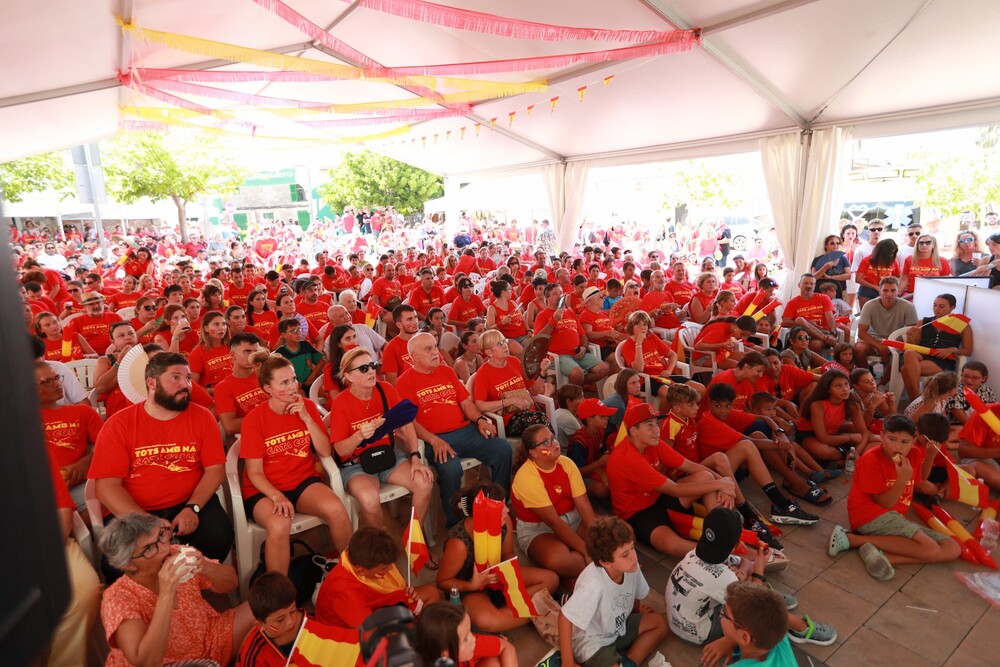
{"type": "Point", "coordinates": [590, 291]}
{"type": "Point", "coordinates": [640, 413]}
{"type": "Point", "coordinates": [766, 283]}
{"type": "Point", "coordinates": [720, 533]}
{"type": "Point", "coordinates": [590, 407]}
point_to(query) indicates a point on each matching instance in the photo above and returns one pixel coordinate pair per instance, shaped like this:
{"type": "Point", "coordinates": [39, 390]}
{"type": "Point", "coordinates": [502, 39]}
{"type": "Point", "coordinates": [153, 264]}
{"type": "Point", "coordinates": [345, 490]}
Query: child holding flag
{"type": "Point", "coordinates": [367, 579]}
{"type": "Point", "coordinates": [604, 622]}
{"type": "Point", "coordinates": [947, 335]}
{"type": "Point", "coordinates": [881, 494]}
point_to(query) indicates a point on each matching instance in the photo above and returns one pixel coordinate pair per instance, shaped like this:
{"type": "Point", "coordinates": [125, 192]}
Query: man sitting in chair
{"type": "Point", "coordinates": [879, 318]}
{"type": "Point", "coordinates": [814, 313]}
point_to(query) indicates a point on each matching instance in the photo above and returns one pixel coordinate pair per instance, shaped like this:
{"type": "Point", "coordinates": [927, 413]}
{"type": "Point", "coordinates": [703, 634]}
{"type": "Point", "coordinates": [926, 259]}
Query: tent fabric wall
{"type": "Point", "coordinates": [575, 190]}
{"type": "Point", "coordinates": [803, 172]}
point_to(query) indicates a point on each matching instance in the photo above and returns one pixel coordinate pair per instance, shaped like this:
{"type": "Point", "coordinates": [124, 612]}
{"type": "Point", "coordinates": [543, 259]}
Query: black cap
{"type": "Point", "coordinates": [720, 533]}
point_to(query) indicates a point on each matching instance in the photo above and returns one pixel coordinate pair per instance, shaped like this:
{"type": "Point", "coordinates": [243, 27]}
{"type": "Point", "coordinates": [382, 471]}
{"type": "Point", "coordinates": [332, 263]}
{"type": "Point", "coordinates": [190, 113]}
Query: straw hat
{"type": "Point", "coordinates": [132, 374]}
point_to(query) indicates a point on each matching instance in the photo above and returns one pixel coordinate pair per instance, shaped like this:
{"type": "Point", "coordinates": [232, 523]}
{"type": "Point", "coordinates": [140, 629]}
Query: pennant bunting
{"type": "Point", "coordinates": [581, 91]}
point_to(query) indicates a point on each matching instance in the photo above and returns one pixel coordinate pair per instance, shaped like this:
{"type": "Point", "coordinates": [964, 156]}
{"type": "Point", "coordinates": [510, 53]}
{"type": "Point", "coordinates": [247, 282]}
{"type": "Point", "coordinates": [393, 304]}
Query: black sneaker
{"type": "Point", "coordinates": [794, 515]}
{"type": "Point", "coordinates": [763, 532]}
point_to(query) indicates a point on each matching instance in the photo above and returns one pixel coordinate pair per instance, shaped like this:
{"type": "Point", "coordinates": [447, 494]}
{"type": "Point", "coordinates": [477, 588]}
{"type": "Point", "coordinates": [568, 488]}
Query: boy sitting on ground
{"type": "Point", "coordinates": [755, 619]}
{"type": "Point", "coordinates": [604, 623]}
{"type": "Point", "coordinates": [367, 579]}
{"type": "Point", "coordinates": [587, 447]}
{"type": "Point", "coordinates": [880, 495]}
{"type": "Point", "coordinates": [696, 592]}
{"type": "Point", "coordinates": [278, 620]}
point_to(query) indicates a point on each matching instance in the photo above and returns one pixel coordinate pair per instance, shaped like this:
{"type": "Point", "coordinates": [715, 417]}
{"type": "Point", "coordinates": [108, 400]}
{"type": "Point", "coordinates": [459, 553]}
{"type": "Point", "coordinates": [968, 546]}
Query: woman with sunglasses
{"type": "Point", "coordinates": [145, 321]}
{"type": "Point", "coordinates": [832, 266]}
{"type": "Point", "coordinates": [924, 263]}
{"type": "Point", "coordinates": [968, 253]}
{"type": "Point", "coordinates": [354, 416]}
{"type": "Point", "coordinates": [155, 614]}
{"type": "Point", "coordinates": [797, 352]}
{"type": "Point", "coordinates": [553, 511]}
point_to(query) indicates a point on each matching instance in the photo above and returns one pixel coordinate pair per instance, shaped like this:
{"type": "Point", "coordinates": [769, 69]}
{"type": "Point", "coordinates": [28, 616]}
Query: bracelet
{"type": "Point", "coordinates": [759, 576]}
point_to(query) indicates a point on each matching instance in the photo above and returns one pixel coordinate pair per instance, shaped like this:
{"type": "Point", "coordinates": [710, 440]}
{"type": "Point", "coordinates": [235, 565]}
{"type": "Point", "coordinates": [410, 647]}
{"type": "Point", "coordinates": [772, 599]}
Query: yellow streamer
{"type": "Point", "coordinates": [234, 53]}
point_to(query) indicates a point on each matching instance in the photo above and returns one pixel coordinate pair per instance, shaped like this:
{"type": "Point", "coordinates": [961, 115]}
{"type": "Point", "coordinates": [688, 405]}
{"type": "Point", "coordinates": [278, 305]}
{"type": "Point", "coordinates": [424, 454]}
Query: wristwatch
{"type": "Point", "coordinates": [194, 507]}
{"type": "Point", "coordinates": [412, 454]}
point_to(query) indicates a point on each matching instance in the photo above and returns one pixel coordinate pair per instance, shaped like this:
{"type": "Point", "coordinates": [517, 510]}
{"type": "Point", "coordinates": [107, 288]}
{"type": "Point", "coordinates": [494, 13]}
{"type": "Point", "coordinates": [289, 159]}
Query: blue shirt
{"type": "Point", "coordinates": [779, 656]}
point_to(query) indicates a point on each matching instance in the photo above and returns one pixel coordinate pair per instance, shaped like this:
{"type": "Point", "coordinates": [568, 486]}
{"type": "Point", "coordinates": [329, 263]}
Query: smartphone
{"type": "Point", "coordinates": [561, 303]}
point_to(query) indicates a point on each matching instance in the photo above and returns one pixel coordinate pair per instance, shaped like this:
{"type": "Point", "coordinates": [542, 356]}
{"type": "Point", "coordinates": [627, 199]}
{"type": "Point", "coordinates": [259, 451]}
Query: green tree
{"type": "Point", "coordinates": [368, 179]}
{"type": "Point", "coordinates": [175, 166]}
{"type": "Point", "coordinates": [953, 184]}
{"type": "Point", "coordinates": [48, 171]}
{"type": "Point", "coordinates": [696, 183]}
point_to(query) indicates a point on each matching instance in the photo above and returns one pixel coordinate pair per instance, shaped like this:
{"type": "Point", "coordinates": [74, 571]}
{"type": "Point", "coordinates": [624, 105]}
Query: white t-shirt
{"type": "Point", "coordinates": [904, 252]}
{"type": "Point", "coordinates": [695, 590]}
{"type": "Point", "coordinates": [73, 391]}
{"type": "Point", "coordinates": [566, 425]}
{"type": "Point", "coordinates": [599, 608]}
{"type": "Point", "coordinates": [860, 253]}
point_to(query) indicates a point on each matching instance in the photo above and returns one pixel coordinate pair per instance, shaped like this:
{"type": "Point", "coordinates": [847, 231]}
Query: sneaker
{"type": "Point", "coordinates": [876, 562]}
{"type": "Point", "coordinates": [820, 634]}
{"type": "Point", "coordinates": [838, 541]}
{"type": "Point", "coordinates": [763, 532]}
{"type": "Point", "coordinates": [791, 602]}
{"type": "Point", "coordinates": [794, 515]}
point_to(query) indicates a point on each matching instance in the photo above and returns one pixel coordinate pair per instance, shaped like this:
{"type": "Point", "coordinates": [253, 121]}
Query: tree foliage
{"type": "Point", "coordinates": [368, 179]}
{"type": "Point", "coordinates": [696, 183]}
{"type": "Point", "coordinates": [48, 171]}
{"type": "Point", "coordinates": [953, 184]}
{"type": "Point", "coordinates": [174, 166]}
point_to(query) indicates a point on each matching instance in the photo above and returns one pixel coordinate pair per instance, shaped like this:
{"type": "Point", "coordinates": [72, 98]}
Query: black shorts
{"type": "Point", "coordinates": [292, 495]}
{"type": "Point", "coordinates": [644, 522]}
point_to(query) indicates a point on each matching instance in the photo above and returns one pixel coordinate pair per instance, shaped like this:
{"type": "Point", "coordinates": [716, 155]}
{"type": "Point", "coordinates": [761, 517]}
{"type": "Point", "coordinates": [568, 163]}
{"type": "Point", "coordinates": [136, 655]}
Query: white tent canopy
{"type": "Point", "coordinates": [763, 69]}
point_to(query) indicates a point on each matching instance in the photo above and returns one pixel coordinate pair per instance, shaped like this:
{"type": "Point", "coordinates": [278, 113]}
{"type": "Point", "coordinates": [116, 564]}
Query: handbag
{"type": "Point", "coordinates": [378, 459]}
{"type": "Point", "coordinates": [306, 572]}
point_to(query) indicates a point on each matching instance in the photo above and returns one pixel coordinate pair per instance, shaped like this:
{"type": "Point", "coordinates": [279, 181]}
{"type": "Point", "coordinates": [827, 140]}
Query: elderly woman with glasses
{"type": "Point", "coordinates": [797, 352]}
{"type": "Point", "coordinates": [500, 385]}
{"type": "Point", "coordinates": [367, 462]}
{"type": "Point", "coordinates": [553, 511]}
{"type": "Point", "coordinates": [155, 614]}
{"type": "Point", "coordinates": [924, 263]}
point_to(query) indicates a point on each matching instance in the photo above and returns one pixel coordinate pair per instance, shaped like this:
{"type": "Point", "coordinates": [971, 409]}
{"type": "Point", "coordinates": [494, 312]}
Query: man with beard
{"type": "Point", "coordinates": [164, 456]}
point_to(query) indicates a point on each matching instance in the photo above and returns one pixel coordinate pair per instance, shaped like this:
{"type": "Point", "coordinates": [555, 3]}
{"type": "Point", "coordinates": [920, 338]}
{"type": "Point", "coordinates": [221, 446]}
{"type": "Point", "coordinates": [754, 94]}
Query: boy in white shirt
{"type": "Point", "coordinates": [603, 623]}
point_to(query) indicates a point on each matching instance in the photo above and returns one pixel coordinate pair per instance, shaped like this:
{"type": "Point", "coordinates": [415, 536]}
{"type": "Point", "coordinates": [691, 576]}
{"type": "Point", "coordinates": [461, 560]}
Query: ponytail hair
{"type": "Point", "coordinates": [266, 364]}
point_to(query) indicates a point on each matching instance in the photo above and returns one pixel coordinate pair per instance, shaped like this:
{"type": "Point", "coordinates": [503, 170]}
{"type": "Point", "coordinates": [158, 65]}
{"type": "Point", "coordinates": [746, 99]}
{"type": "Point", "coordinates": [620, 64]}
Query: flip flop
{"type": "Point", "coordinates": [825, 475]}
{"type": "Point", "coordinates": [815, 495]}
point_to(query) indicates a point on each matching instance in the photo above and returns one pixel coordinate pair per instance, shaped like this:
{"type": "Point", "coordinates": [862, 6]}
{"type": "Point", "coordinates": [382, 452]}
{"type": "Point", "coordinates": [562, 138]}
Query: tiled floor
{"type": "Point", "coordinates": [924, 616]}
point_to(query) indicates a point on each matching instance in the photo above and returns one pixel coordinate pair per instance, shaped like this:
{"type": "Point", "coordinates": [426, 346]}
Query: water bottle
{"type": "Point", "coordinates": [991, 531]}
{"type": "Point", "coordinates": [454, 597]}
{"type": "Point", "coordinates": [849, 464]}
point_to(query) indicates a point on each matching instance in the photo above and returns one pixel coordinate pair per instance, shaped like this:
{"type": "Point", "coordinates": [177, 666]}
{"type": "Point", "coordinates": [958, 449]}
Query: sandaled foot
{"type": "Point", "coordinates": [838, 542]}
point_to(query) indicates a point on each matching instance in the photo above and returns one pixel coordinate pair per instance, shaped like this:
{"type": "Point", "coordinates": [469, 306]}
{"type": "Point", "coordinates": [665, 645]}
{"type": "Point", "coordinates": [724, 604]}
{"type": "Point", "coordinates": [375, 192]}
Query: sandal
{"type": "Point", "coordinates": [816, 495]}
{"type": "Point", "coordinates": [825, 475]}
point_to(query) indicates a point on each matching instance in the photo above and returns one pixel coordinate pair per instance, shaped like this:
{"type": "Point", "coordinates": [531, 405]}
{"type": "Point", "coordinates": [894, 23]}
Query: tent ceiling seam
{"type": "Point", "coordinates": [671, 16]}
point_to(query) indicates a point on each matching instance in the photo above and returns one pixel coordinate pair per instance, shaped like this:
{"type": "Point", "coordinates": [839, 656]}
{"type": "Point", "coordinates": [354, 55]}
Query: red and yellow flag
{"type": "Point", "coordinates": [752, 306]}
{"type": "Point", "coordinates": [984, 412]}
{"type": "Point", "coordinates": [955, 323]}
{"type": "Point", "coordinates": [621, 436]}
{"type": "Point", "coordinates": [416, 548]}
{"type": "Point", "coordinates": [319, 645]}
{"type": "Point", "coordinates": [514, 589]}
{"type": "Point", "coordinates": [760, 314]}
{"type": "Point", "coordinates": [487, 524]}
{"type": "Point", "coordinates": [965, 488]}
{"type": "Point", "coordinates": [900, 345]}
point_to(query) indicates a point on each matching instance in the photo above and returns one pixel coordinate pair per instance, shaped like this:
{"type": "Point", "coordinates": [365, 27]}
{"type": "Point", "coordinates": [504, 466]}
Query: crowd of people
{"type": "Point", "coordinates": [606, 442]}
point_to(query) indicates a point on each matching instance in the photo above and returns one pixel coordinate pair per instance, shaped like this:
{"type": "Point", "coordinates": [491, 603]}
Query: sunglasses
{"type": "Point", "coordinates": [803, 338]}
{"type": "Point", "coordinates": [925, 242]}
{"type": "Point", "coordinates": [967, 241]}
{"type": "Point", "coordinates": [876, 229]}
{"type": "Point", "coordinates": [148, 308]}
{"type": "Point", "coordinates": [364, 368]}
{"type": "Point", "coordinates": [912, 234]}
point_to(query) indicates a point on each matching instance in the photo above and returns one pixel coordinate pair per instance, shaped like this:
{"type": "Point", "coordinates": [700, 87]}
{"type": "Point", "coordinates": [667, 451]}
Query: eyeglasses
{"type": "Point", "coordinates": [925, 242]}
{"type": "Point", "coordinates": [967, 240]}
{"type": "Point", "coordinates": [543, 443]}
{"type": "Point", "coordinates": [50, 381]}
{"type": "Point", "coordinates": [912, 234]}
{"type": "Point", "coordinates": [725, 614]}
{"type": "Point", "coordinates": [875, 230]}
{"type": "Point", "coordinates": [148, 308]}
{"type": "Point", "coordinates": [163, 537]}
{"type": "Point", "coordinates": [364, 368]}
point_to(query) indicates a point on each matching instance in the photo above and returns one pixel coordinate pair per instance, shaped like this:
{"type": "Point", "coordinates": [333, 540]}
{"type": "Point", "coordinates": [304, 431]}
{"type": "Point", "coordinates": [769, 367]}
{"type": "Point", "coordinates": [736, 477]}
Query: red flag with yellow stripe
{"type": "Point", "coordinates": [955, 323]}
{"type": "Point", "coordinates": [319, 645]}
{"type": "Point", "coordinates": [512, 581]}
{"type": "Point", "coordinates": [965, 488]}
{"type": "Point", "coordinates": [416, 548]}
{"type": "Point", "coordinates": [487, 524]}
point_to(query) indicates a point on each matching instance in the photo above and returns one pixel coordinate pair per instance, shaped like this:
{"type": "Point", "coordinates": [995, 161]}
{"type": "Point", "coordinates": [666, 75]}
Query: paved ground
{"type": "Point", "coordinates": [924, 616]}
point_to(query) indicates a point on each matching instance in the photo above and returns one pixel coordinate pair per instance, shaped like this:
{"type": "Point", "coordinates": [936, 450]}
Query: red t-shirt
{"type": "Point", "coordinates": [654, 351]}
{"type": "Point", "coordinates": [463, 311]}
{"type": "Point", "coordinates": [120, 300]}
{"type": "Point", "coordinates": [873, 274]}
{"type": "Point", "coordinates": [813, 310]}
{"type": "Point", "coordinates": [978, 432]}
{"type": "Point", "coordinates": [681, 292]}
{"type": "Point", "coordinates": [315, 313]}
{"type": "Point", "coordinates": [715, 333]}
{"type": "Point", "coordinates": [68, 429]}
{"type": "Point", "coordinates": [54, 348]}
{"type": "Point", "coordinates": [93, 329]}
{"type": "Point", "coordinates": [791, 380]}
{"type": "Point", "coordinates": [422, 300]}
{"type": "Point", "coordinates": [383, 290]}
{"type": "Point", "coordinates": [599, 321]}
{"type": "Point", "coordinates": [634, 478]}
{"type": "Point", "coordinates": [237, 296]}
{"type": "Point", "coordinates": [263, 323]}
{"type": "Point", "coordinates": [565, 336]}
{"type": "Point", "coordinates": [159, 462]}
{"type": "Point", "coordinates": [744, 388]}
{"type": "Point", "coordinates": [653, 300]}
{"type": "Point", "coordinates": [282, 442]}
{"type": "Point", "coordinates": [212, 364]}
{"type": "Point", "coordinates": [683, 436]}
{"type": "Point", "coordinates": [491, 382]}
{"type": "Point", "coordinates": [516, 327]}
{"type": "Point", "coordinates": [437, 395]}
{"type": "Point", "coordinates": [715, 435]}
{"type": "Point", "coordinates": [875, 474]}
{"type": "Point", "coordinates": [238, 395]}
{"type": "Point", "coordinates": [348, 414]}
{"type": "Point", "coordinates": [923, 268]}
{"type": "Point", "coordinates": [396, 357]}
{"type": "Point", "coordinates": [59, 489]}
{"type": "Point", "coordinates": [833, 418]}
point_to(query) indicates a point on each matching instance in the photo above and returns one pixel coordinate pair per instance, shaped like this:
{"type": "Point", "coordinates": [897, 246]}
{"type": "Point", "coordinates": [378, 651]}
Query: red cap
{"type": "Point", "coordinates": [640, 413]}
{"type": "Point", "coordinates": [590, 407]}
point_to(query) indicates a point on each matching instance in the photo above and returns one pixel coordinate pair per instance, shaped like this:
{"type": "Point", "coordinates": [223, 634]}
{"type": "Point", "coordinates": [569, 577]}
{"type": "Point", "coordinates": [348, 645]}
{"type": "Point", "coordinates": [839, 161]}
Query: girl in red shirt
{"type": "Point", "coordinates": [924, 263]}
{"type": "Point", "coordinates": [881, 263]}
{"type": "Point", "coordinates": [50, 330]}
{"type": "Point", "coordinates": [261, 320]}
{"type": "Point", "coordinates": [175, 334]}
{"type": "Point", "coordinates": [466, 305]}
{"type": "Point", "coordinates": [279, 441]}
{"type": "Point", "coordinates": [145, 322]}
{"type": "Point", "coordinates": [342, 339]}
{"type": "Point", "coordinates": [210, 361]}
{"type": "Point", "coordinates": [444, 630]}
{"type": "Point", "coordinates": [649, 355]}
{"type": "Point", "coordinates": [504, 316]}
{"type": "Point", "coordinates": [832, 419]}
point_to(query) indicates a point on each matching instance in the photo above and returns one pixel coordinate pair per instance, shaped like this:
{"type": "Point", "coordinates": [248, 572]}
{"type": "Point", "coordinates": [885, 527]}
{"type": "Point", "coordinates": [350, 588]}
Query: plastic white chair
{"type": "Point", "coordinates": [84, 371]}
{"type": "Point", "coordinates": [896, 359]}
{"type": "Point", "coordinates": [95, 402]}
{"type": "Point", "coordinates": [250, 535]}
{"type": "Point", "coordinates": [316, 393]}
{"type": "Point", "coordinates": [545, 402]}
{"type": "Point", "coordinates": [561, 379]}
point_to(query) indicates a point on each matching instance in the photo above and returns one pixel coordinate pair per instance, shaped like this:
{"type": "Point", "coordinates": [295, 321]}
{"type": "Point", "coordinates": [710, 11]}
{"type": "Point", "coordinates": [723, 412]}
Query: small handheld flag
{"type": "Point", "coordinates": [965, 488]}
{"type": "Point", "coordinates": [318, 645]}
{"type": "Point", "coordinates": [760, 314]}
{"type": "Point", "coordinates": [416, 547]}
{"type": "Point", "coordinates": [487, 524]}
{"type": "Point", "coordinates": [955, 323]}
{"type": "Point", "coordinates": [512, 582]}
{"type": "Point", "coordinates": [752, 306]}
{"type": "Point", "coordinates": [984, 412]}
